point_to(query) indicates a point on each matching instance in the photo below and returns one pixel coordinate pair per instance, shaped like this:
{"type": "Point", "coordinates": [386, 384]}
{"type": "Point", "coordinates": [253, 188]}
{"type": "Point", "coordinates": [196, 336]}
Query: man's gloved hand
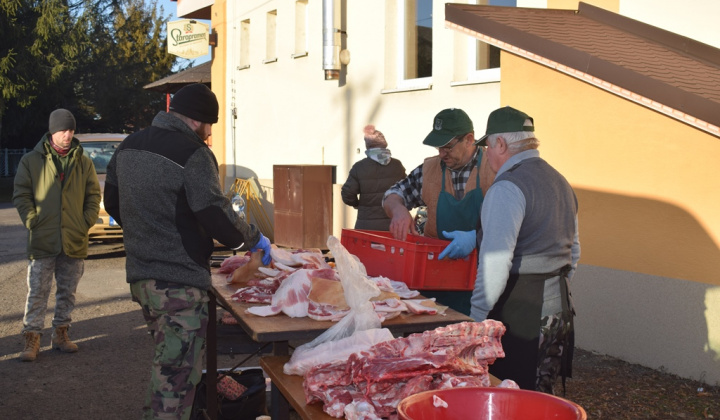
{"type": "Point", "coordinates": [463, 243]}
{"type": "Point", "coordinates": [264, 244]}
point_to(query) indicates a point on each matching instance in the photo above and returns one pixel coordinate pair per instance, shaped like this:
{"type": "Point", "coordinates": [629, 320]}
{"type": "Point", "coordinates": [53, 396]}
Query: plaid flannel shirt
{"type": "Point", "coordinates": [410, 187]}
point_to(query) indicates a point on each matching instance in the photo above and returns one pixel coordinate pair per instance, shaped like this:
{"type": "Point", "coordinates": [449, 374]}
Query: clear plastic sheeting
{"type": "Point", "coordinates": [358, 291]}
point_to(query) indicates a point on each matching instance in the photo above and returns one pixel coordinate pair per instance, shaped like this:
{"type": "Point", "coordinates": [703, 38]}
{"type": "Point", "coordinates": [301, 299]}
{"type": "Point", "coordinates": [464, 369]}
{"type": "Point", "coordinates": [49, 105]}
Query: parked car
{"type": "Point", "coordinates": [100, 148]}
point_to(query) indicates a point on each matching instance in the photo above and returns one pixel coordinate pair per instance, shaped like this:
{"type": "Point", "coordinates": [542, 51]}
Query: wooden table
{"type": "Point", "coordinates": [289, 389]}
{"type": "Point", "coordinates": [281, 329]}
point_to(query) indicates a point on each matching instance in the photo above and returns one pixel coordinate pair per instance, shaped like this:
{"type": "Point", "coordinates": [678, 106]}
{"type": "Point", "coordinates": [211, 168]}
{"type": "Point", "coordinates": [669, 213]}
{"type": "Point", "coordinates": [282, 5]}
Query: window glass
{"type": "Point", "coordinates": [416, 40]}
{"type": "Point", "coordinates": [100, 153]}
{"type": "Point", "coordinates": [485, 58]}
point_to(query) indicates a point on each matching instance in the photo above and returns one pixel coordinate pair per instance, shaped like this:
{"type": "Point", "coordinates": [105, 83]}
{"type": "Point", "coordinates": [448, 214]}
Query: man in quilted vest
{"type": "Point", "coordinates": [529, 250]}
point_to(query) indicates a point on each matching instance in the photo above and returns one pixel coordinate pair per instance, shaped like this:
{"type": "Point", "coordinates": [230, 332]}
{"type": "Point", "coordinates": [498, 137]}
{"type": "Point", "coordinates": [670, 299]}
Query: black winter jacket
{"type": "Point", "coordinates": [364, 190]}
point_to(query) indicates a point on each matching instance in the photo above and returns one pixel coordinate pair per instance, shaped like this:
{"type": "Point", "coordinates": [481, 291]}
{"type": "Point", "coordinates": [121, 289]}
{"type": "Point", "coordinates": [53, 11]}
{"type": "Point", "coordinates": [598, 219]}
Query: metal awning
{"type": "Point", "coordinates": [173, 83]}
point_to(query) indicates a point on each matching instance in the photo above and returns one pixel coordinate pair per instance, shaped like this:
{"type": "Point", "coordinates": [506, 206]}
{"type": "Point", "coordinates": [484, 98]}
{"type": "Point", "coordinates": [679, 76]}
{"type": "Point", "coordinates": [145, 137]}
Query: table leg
{"type": "Point", "coordinates": [279, 407]}
{"type": "Point", "coordinates": [211, 358]}
{"type": "Point", "coordinates": [280, 348]}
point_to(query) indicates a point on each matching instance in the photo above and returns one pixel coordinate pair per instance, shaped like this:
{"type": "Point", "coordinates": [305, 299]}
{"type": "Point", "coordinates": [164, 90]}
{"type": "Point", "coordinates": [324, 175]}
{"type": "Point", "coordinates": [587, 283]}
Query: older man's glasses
{"type": "Point", "coordinates": [448, 149]}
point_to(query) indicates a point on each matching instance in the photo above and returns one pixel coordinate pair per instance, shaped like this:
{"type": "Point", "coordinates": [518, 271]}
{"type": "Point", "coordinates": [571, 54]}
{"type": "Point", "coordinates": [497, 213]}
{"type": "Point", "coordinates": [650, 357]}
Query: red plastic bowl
{"type": "Point", "coordinates": [489, 404]}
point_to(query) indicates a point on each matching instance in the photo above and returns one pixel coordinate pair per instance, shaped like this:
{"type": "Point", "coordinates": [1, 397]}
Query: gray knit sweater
{"type": "Point", "coordinates": [163, 188]}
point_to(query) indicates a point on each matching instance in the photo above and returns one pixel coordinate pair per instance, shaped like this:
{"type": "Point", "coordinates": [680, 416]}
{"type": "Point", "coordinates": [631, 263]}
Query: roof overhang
{"type": "Point", "coordinates": [486, 24]}
{"type": "Point", "coordinates": [173, 83]}
{"type": "Point", "coordinates": [194, 9]}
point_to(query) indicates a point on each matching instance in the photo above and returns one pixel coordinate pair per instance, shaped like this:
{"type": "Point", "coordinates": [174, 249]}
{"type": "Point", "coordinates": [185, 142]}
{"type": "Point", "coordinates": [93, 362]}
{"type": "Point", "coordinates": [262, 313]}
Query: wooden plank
{"type": "Point", "coordinates": [291, 388]}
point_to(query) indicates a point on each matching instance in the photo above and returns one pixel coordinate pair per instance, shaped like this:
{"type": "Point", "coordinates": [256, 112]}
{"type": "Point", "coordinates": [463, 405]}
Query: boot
{"type": "Point", "coordinates": [61, 340]}
{"type": "Point", "coordinates": [32, 346]}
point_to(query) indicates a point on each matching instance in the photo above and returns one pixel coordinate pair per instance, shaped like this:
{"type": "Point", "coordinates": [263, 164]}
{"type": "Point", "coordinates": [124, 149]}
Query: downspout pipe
{"type": "Point", "coordinates": [331, 42]}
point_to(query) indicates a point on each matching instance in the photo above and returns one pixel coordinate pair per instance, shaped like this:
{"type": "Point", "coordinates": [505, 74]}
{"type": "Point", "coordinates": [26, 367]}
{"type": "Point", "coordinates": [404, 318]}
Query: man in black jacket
{"type": "Point", "coordinates": [163, 188]}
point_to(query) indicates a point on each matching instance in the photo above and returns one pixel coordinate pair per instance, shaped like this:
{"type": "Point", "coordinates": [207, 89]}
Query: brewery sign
{"type": "Point", "coordinates": [188, 38]}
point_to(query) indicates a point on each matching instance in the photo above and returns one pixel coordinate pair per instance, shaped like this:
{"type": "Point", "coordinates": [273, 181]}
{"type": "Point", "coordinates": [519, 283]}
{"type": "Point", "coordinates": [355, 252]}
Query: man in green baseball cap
{"type": "Point", "coordinates": [451, 185]}
{"type": "Point", "coordinates": [506, 120]}
{"type": "Point", "coordinates": [528, 252]}
{"type": "Point", "coordinates": [448, 124]}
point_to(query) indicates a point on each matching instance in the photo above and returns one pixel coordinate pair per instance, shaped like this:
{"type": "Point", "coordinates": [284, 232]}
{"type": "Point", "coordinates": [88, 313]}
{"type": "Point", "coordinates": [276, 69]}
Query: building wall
{"type": "Point", "coordinates": [647, 290]}
{"type": "Point", "coordinates": [218, 69]}
{"type": "Point", "coordinates": [695, 19]}
{"type": "Point", "coordinates": [289, 114]}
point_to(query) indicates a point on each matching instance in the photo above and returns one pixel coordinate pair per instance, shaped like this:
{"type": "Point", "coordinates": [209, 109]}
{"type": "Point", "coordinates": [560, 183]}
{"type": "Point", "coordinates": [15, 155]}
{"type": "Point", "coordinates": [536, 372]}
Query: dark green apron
{"type": "Point", "coordinates": [452, 214]}
{"type": "Point", "coordinates": [520, 309]}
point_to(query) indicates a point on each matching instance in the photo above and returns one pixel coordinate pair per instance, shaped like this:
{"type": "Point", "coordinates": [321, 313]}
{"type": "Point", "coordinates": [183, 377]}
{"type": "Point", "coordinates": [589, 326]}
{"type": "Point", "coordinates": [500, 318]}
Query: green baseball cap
{"type": "Point", "coordinates": [506, 120]}
{"type": "Point", "coordinates": [448, 124]}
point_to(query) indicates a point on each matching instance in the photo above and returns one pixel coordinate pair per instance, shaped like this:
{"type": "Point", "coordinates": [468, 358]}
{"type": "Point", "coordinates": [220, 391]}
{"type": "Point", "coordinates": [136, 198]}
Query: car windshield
{"type": "Point", "coordinates": [100, 153]}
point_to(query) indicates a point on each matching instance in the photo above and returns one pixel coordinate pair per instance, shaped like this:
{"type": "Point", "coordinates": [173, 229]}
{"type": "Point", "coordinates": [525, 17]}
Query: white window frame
{"type": "Point", "coordinates": [271, 37]}
{"type": "Point", "coordinates": [244, 62]}
{"type": "Point", "coordinates": [402, 82]}
{"type": "Point", "coordinates": [301, 25]}
{"type": "Point", "coordinates": [483, 75]}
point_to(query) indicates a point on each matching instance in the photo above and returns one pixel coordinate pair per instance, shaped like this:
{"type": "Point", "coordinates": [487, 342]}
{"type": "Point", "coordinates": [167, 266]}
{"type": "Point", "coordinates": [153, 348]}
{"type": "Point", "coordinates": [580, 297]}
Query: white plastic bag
{"type": "Point", "coordinates": [358, 291]}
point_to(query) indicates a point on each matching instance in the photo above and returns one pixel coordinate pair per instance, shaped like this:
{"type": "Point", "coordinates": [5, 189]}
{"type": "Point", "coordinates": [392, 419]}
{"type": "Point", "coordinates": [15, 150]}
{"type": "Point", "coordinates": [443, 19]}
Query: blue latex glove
{"type": "Point", "coordinates": [461, 246]}
{"type": "Point", "coordinates": [264, 244]}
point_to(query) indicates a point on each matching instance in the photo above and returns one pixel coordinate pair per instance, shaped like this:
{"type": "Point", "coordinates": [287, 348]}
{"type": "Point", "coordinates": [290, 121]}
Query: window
{"type": "Point", "coordinates": [415, 43]}
{"type": "Point", "coordinates": [483, 58]}
{"type": "Point", "coordinates": [271, 44]}
{"type": "Point", "coordinates": [300, 28]}
{"type": "Point", "coordinates": [244, 45]}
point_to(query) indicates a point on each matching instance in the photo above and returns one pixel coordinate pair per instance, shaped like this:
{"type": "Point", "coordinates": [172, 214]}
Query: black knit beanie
{"type": "Point", "coordinates": [196, 101]}
{"type": "Point", "coordinates": [61, 120]}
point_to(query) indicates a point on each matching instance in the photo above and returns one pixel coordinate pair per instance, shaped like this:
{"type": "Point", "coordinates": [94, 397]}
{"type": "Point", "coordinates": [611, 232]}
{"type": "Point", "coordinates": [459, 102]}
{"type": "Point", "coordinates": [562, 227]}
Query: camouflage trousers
{"type": "Point", "coordinates": [553, 332]}
{"type": "Point", "coordinates": [177, 317]}
{"type": "Point", "coordinates": [67, 272]}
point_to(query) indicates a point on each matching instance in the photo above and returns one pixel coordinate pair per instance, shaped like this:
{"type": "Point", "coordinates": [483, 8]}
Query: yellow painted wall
{"type": "Point", "coordinates": [647, 288]}
{"type": "Point", "coordinates": [217, 72]}
{"type": "Point", "coordinates": [611, 5]}
{"type": "Point", "coordinates": [647, 184]}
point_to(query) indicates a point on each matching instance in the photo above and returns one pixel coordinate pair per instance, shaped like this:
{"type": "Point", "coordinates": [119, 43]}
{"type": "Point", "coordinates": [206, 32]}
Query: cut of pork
{"type": "Point", "coordinates": [451, 356]}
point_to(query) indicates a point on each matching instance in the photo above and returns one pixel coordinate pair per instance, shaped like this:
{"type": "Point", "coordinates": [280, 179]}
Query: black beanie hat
{"type": "Point", "coordinates": [61, 120]}
{"type": "Point", "coordinates": [196, 101]}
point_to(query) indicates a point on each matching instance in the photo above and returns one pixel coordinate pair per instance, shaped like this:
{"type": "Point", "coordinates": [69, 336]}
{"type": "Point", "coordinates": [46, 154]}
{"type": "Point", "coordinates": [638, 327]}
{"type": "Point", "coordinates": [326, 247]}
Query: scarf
{"type": "Point", "coordinates": [381, 156]}
{"type": "Point", "coordinates": [60, 151]}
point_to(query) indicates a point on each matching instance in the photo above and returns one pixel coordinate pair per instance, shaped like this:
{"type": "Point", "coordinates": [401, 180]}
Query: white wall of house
{"type": "Point", "coordinates": [287, 113]}
{"type": "Point", "coordinates": [697, 19]}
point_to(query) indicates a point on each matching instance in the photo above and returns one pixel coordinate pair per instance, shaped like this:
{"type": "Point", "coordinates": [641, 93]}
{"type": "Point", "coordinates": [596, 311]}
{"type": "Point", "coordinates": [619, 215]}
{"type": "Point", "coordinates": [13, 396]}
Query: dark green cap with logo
{"type": "Point", "coordinates": [448, 124]}
{"type": "Point", "coordinates": [506, 120]}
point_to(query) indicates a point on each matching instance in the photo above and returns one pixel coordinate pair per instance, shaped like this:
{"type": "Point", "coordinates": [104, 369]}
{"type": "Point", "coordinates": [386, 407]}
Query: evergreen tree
{"type": "Point", "coordinates": [39, 48]}
{"type": "Point", "coordinates": [92, 57]}
{"type": "Point", "coordinates": [132, 54]}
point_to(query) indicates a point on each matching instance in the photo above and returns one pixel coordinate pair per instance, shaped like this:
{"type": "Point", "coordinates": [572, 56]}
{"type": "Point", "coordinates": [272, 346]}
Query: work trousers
{"type": "Point", "coordinates": [177, 318]}
{"type": "Point", "coordinates": [553, 336]}
{"type": "Point", "coordinates": [67, 272]}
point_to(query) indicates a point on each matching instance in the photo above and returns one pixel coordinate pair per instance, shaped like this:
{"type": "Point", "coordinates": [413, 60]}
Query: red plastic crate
{"type": "Point", "coordinates": [414, 261]}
